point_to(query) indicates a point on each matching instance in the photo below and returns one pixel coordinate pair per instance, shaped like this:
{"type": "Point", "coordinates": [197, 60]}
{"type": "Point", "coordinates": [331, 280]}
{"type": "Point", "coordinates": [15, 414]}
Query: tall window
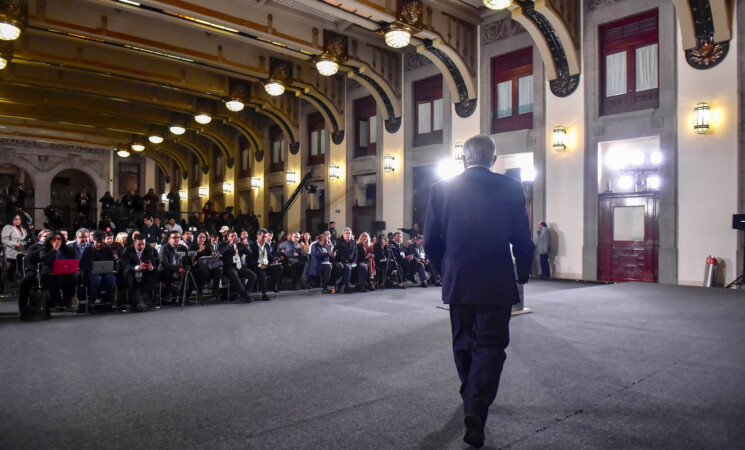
{"type": "Point", "coordinates": [629, 63]}
{"type": "Point", "coordinates": [365, 126]}
{"type": "Point", "coordinates": [217, 173]}
{"type": "Point", "coordinates": [244, 164]}
{"type": "Point", "coordinates": [428, 111]}
{"type": "Point", "coordinates": [279, 146]}
{"type": "Point", "coordinates": [194, 176]}
{"type": "Point", "coordinates": [176, 180]}
{"type": "Point", "coordinates": [317, 139]}
{"type": "Point", "coordinates": [512, 89]}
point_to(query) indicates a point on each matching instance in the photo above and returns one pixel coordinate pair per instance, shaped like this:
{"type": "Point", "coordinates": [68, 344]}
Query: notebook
{"type": "Point", "coordinates": [64, 266]}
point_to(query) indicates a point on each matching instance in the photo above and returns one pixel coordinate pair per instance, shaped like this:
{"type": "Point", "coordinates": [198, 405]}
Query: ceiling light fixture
{"type": "Point", "coordinates": [121, 151]}
{"type": "Point", "coordinates": [327, 65]}
{"type": "Point", "coordinates": [202, 117]}
{"type": "Point", "coordinates": [203, 113]}
{"type": "Point", "coordinates": [397, 35]}
{"type": "Point", "coordinates": [155, 136]}
{"type": "Point", "coordinates": [6, 53]}
{"type": "Point", "coordinates": [178, 127]}
{"type": "Point", "coordinates": [274, 87]}
{"type": "Point", "coordinates": [137, 144]}
{"type": "Point", "coordinates": [11, 20]}
{"type": "Point", "coordinates": [233, 103]}
{"type": "Point", "coordinates": [497, 4]}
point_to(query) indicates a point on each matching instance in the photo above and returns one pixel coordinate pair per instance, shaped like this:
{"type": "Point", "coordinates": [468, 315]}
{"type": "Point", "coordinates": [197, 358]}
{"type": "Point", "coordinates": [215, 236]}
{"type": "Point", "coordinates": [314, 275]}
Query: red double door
{"type": "Point", "coordinates": [628, 241]}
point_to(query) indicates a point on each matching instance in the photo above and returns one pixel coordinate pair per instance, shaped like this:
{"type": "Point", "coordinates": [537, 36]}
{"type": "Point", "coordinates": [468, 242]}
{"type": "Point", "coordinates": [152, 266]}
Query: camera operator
{"type": "Point", "coordinates": [170, 257]}
{"type": "Point", "coordinates": [209, 267]}
{"type": "Point", "coordinates": [107, 201]}
{"type": "Point", "coordinates": [263, 263]}
{"type": "Point", "coordinates": [387, 262]}
{"type": "Point", "coordinates": [292, 256]}
{"type": "Point", "coordinates": [233, 255]}
{"type": "Point", "coordinates": [138, 264]}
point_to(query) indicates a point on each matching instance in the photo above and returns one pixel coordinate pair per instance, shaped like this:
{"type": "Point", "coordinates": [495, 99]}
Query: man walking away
{"type": "Point", "coordinates": [478, 276]}
{"type": "Point", "coordinates": [544, 248]}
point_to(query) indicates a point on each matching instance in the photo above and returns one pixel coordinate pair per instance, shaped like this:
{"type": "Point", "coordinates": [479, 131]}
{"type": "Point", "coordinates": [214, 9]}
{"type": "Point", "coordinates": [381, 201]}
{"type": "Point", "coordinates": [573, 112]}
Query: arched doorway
{"type": "Point", "coordinates": [64, 187]}
{"type": "Point", "coordinates": [16, 191]}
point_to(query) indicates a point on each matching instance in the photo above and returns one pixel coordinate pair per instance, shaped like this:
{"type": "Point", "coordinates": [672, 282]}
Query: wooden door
{"type": "Point", "coordinates": [364, 216]}
{"type": "Point", "coordinates": [628, 241]}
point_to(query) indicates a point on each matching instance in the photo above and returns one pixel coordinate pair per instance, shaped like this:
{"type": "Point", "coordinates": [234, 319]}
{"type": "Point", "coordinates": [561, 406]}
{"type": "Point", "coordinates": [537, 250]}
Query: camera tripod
{"type": "Point", "coordinates": [189, 282]}
{"type": "Point", "coordinates": [399, 270]}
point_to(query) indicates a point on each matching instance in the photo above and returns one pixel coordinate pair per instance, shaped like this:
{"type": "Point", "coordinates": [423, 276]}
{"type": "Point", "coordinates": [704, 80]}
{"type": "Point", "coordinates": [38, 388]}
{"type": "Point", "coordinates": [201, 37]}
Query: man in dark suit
{"type": "Point", "coordinates": [478, 276]}
{"type": "Point", "coordinates": [233, 253]}
{"type": "Point", "coordinates": [150, 231]}
{"type": "Point", "coordinates": [346, 255]}
{"type": "Point", "coordinates": [170, 256]}
{"type": "Point", "coordinates": [138, 265]}
{"type": "Point", "coordinates": [263, 263]}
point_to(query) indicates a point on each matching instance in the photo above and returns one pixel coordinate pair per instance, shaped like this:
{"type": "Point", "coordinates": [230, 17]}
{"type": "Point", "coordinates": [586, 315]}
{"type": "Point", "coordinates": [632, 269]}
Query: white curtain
{"type": "Point", "coordinates": [363, 133]}
{"type": "Point", "coordinates": [314, 143]}
{"type": "Point", "coordinates": [244, 159]}
{"type": "Point", "coordinates": [373, 129]}
{"type": "Point", "coordinates": [218, 163]}
{"type": "Point", "coordinates": [323, 141]}
{"type": "Point", "coordinates": [437, 115]}
{"type": "Point", "coordinates": [275, 151]}
{"type": "Point", "coordinates": [615, 74]}
{"type": "Point", "coordinates": [424, 111]}
{"type": "Point", "coordinates": [525, 91]}
{"type": "Point", "coordinates": [504, 99]}
{"type": "Point", "coordinates": [282, 150]}
{"type": "Point", "coordinates": [646, 68]}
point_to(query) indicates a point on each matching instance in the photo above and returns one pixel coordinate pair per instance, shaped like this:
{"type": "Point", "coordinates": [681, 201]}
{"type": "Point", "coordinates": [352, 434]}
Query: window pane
{"type": "Point", "coordinates": [323, 141]}
{"type": "Point", "coordinates": [646, 68]}
{"type": "Point", "coordinates": [218, 166]}
{"type": "Point", "coordinates": [628, 223]}
{"type": "Point", "coordinates": [314, 143]}
{"type": "Point", "coordinates": [244, 159]}
{"type": "Point", "coordinates": [373, 129]}
{"type": "Point", "coordinates": [282, 146]}
{"type": "Point", "coordinates": [424, 111]}
{"type": "Point", "coordinates": [363, 133]}
{"type": "Point", "coordinates": [437, 115]}
{"type": "Point", "coordinates": [504, 99]}
{"type": "Point", "coordinates": [275, 152]}
{"type": "Point", "coordinates": [615, 74]}
{"type": "Point", "coordinates": [525, 99]}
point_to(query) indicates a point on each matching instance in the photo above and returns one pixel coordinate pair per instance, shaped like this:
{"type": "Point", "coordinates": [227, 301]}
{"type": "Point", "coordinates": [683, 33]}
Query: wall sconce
{"type": "Point", "coordinates": [255, 183]}
{"type": "Point", "coordinates": [459, 151]}
{"type": "Point", "coordinates": [204, 191]}
{"type": "Point", "coordinates": [701, 118]}
{"type": "Point", "coordinates": [560, 139]}
{"type": "Point", "coordinates": [227, 188]}
{"type": "Point", "coordinates": [292, 177]}
{"type": "Point", "coordinates": [389, 163]}
{"type": "Point", "coordinates": [334, 172]}
{"type": "Point", "coordinates": [183, 194]}
{"type": "Point", "coordinates": [164, 198]}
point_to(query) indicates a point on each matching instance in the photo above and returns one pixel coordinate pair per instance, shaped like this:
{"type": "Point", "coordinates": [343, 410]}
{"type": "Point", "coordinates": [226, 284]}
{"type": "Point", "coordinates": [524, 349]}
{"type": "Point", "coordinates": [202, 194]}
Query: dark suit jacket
{"type": "Point", "coordinates": [490, 206]}
{"type": "Point", "coordinates": [166, 256]}
{"type": "Point", "coordinates": [227, 253]}
{"type": "Point", "coordinates": [129, 260]}
{"type": "Point", "coordinates": [253, 261]}
{"type": "Point", "coordinates": [346, 252]}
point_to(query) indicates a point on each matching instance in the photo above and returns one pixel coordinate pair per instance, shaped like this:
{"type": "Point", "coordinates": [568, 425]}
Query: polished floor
{"type": "Point", "coordinates": [618, 366]}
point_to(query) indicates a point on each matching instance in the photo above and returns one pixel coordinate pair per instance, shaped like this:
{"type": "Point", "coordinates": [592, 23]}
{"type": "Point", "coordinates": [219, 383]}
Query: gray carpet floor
{"type": "Point", "coordinates": [618, 366]}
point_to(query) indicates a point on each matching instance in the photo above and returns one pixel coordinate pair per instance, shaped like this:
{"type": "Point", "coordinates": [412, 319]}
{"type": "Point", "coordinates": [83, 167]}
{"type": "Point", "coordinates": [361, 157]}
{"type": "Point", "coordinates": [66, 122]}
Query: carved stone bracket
{"type": "Point", "coordinates": [393, 123]}
{"type": "Point", "coordinates": [259, 156]}
{"type": "Point", "coordinates": [229, 162]}
{"type": "Point", "coordinates": [707, 55]}
{"type": "Point", "coordinates": [294, 148]}
{"type": "Point", "coordinates": [205, 169]}
{"type": "Point", "coordinates": [501, 29]}
{"type": "Point", "coordinates": [337, 137]}
{"type": "Point", "coordinates": [464, 107]}
{"type": "Point", "coordinates": [705, 31]}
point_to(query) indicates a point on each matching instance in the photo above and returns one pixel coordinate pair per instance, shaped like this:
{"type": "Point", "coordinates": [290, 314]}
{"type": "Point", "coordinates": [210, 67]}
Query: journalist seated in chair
{"type": "Point", "coordinates": [235, 257]}
{"type": "Point", "coordinates": [404, 257]}
{"type": "Point", "coordinates": [263, 263]}
{"type": "Point", "coordinates": [417, 249]}
{"type": "Point", "coordinates": [80, 243]}
{"type": "Point", "coordinates": [365, 262]}
{"type": "Point", "coordinates": [416, 263]}
{"type": "Point", "coordinates": [30, 264]}
{"type": "Point", "coordinates": [346, 254]}
{"type": "Point", "coordinates": [209, 266]}
{"type": "Point", "coordinates": [291, 254]}
{"type": "Point", "coordinates": [139, 263]}
{"type": "Point", "coordinates": [55, 249]}
{"type": "Point", "coordinates": [171, 269]}
{"type": "Point", "coordinates": [151, 231]}
{"type": "Point", "coordinates": [321, 264]}
{"type": "Point", "coordinates": [98, 277]}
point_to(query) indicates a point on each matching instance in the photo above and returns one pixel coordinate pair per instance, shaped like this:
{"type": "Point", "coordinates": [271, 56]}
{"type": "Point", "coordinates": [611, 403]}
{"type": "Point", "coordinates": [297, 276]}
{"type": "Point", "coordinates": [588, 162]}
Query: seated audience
{"type": "Point", "coordinates": [54, 249]}
{"type": "Point", "coordinates": [291, 254]}
{"type": "Point", "coordinates": [139, 263]}
{"type": "Point", "coordinates": [233, 254]}
{"type": "Point", "coordinates": [263, 263]}
{"type": "Point", "coordinates": [209, 266]}
{"type": "Point", "coordinates": [170, 268]}
{"type": "Point", "coordinates": [97, 282]}
{"type": "Point", "coordinates": [320, 262]}
{"type": "Point", "coordinates": [365, 262]}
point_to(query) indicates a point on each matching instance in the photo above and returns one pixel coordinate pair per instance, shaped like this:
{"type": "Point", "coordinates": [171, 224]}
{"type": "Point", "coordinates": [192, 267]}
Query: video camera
{"type": "Point", "coordinates": [188, 258]}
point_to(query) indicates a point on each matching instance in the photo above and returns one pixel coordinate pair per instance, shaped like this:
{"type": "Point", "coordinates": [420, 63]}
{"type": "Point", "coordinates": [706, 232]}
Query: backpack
{"type": "Point", "coordinates": [37, 307]}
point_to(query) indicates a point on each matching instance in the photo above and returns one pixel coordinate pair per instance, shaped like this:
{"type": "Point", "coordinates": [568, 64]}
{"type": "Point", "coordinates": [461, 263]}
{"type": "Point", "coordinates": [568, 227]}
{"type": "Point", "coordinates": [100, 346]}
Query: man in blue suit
{"type": "Point", "coordinates": [478, 276]}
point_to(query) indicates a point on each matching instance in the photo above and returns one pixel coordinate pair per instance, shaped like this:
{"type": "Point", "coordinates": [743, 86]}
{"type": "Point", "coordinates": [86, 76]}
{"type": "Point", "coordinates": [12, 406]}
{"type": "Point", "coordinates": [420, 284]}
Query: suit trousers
{"type": "Point", "coordinates": [480, 336]}
{"type": "Point", "coordinates": [275, 271]}
{"type": "Point", "coordinates": [545, 266]}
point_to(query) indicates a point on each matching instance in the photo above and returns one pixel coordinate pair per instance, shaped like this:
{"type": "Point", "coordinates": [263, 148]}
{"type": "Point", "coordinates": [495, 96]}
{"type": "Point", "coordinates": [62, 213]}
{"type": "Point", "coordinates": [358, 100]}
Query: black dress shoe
{"type": "Point", "coordinates": [245, 299]}
{"type": "Point", "coordinates": [265, 297]}
{"type": "Point", "coordinates": [275, 290]}
{"type": "Point", "coordinates": [423, 285]}
{"type": "Point", "coordinates": [474, 431]}
{"type": "Point", "coordinates": [438, 283]}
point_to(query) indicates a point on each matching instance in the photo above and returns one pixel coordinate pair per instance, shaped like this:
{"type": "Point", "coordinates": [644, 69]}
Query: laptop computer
{"type": "Point", "coordinates": [101, 267]}
{"type": "Point", "coordinates": [64, 266]}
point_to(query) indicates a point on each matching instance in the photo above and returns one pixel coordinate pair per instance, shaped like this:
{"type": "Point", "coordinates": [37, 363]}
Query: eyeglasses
{"type": "Point", "coordinates": [175, 237]}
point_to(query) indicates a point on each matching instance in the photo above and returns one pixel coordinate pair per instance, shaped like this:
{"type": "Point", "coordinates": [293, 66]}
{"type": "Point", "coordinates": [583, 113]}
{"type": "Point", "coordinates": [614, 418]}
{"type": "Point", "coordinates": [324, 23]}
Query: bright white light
{"type": "Point", "coordinates": [626, 182]}
{"type": "Point", "coordinates": [138, 147]}
{"type": "Point", "coordinates": [655, 158]}
{"type": "Point", "coordinates": [327, 67]}
{"type": "Point", "coordinates": [183, 194]}
{"type": "Point", "coordinates": [449, 168]}
{"type": "Point", "coordinates": [527, 173]}
{"type": "Point", "coordinates": [234, 105]}
{"type": "Point", "coordinates": [397, 38]}
{"type": "Point", "coordinates": [123, 153]}
{"type": "Point", "coordinates": [636, 158]}
{"type": "Point", "coordinates": [164, 197]}
{"type": "Point", "coordinates": [3, 63]}
{"type": "Point", "coordinates": [497, 4]}
{"type": "Point", "coordinates": [9, 32]}
{"type": "Point", "coordinates": [203, 118]}
{"type": "Point", "coordinates": [177, 130]}
{"type": "Point", "coordinates": [155, 138]}
{"type": "Point", "coordinates": [616, 159]}
{"type": "Point", "coordinates": [274, 88]}
{"type": "Point", "coordinates": [653, 182]}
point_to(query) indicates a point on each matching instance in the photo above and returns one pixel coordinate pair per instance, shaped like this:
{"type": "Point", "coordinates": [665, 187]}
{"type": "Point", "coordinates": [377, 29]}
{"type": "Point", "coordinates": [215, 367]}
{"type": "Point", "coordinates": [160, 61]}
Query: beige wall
{"type": "Point", "coordinates": [565, 183]}
{"type": "Point", "coordinates": [337, 189]}
{"type": "Point", "coordinates": [707, 168]}
{"type": "Point", "coordinates": [393, 183]}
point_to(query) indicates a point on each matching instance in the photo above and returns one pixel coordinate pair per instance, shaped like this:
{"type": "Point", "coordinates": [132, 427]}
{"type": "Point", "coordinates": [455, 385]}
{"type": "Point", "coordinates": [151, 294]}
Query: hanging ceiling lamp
{"type": "Point", "coordinates": [155, 136]}
{"type": "Point", "coordinates": [280, 76]}
{"type": "Point", "coordinates": [233, 103]}
{"type": "Point", "coordinates": [397, 35]}
{"type": "Point", "coordinates": [497, 4]}
{"type": "Point", "coordinates": [6, 53]}
{"type": "Point", "coordinates": [11, 20]}
{"type": "Point", "coordinates": [203, 114]}
{"type": "Point", "coordinates": [121, 151]}
{"type": "Point", "coordinates": [327, 65]}
{"type": "Point", "coordinates": [178, 127]}
{"type": "Point", "coordinates": [137, 144]}
{"type": "Point", "coordinates": [274, 87]}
